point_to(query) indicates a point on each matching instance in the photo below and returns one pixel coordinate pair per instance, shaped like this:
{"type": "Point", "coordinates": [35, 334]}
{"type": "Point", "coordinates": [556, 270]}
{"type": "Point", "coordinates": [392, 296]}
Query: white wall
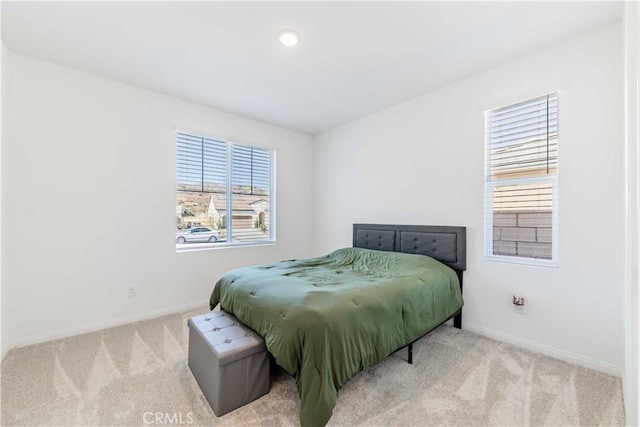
{"type": "Point", "coordinates": [631, 378]}
{"type": "Point", "coordinates": [421, 162]}
{"type": "Point", "coordinates": [91, 181]}
{"type": "Point", "coordinates": [89, 201]}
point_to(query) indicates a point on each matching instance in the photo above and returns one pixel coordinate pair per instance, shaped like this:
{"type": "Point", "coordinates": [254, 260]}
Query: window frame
{"type": "Point", "coordinates": [490, 185]}
{"type": "Point", "coordinates": [229, 241]}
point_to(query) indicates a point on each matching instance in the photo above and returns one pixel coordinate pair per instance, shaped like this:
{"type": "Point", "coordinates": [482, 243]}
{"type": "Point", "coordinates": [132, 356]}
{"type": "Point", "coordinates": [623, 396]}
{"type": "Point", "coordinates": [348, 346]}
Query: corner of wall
{"type": "Point", "coordinates": [3, 134]}
{"type": "Point", "coordinates": [5, 72]}
{"type": "Point", "coordinates": [631, 375]}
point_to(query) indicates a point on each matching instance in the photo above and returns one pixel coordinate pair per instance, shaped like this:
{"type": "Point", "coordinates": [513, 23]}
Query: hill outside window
{"type": "Point", "coordinates": [521, 182]}
{"type": "Point", "coordinates": [225, 193]}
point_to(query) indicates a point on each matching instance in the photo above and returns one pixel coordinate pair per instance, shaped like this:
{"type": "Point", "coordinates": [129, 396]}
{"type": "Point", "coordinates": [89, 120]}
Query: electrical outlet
{"type": "Point", "coordinates": [133, 292]}
{"type": "Point", "coordinates": [518, 303]}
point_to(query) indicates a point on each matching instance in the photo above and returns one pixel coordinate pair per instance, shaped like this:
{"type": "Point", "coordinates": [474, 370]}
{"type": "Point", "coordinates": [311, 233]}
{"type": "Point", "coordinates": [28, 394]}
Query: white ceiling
{"type": "Point", "coordinates": [353, 58]}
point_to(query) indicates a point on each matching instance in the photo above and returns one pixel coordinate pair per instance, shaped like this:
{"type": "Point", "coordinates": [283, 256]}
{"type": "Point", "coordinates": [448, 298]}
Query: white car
{"type": "Point", "coordinates": [197, 234]}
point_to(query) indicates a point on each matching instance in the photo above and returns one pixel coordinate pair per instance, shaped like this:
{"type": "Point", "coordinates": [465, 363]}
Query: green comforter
{"type": "Point", "coordinates": [325, 319]}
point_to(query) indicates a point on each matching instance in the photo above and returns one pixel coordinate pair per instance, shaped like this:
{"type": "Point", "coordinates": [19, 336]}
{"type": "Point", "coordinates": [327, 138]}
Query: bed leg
{"type": "Point", "coordinates": [410, 348]}
{"type": "Point", "coordinates": [457, 321]}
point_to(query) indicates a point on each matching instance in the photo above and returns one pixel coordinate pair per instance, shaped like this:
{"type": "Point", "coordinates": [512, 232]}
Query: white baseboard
{"type": "Point", "coordinates": [96, 326]}
{"type": "Point", "coordinates": [566, 356]}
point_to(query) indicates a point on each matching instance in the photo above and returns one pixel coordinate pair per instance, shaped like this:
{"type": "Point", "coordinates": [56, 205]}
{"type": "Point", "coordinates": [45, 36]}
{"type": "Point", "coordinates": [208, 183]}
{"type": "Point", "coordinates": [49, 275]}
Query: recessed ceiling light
{"type": "Point", "coordinates": [288, 37]}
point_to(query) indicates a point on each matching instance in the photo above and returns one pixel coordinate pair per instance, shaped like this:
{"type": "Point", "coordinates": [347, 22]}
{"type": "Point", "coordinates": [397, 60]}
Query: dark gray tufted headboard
{"type": "Point", "coordinates": [444, 243]}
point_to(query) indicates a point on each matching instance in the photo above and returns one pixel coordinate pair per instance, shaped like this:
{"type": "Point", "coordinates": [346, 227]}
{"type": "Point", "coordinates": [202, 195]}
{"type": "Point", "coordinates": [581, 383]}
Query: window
{"type": "Point", "coordinates": [224, 193]}
{"type": "Point", "coordinates": [521, 182]}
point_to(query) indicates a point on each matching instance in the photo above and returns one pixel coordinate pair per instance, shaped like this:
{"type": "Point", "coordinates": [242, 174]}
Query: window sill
{"type": "Point", "coordinates": [547, 263]}
{"type": "Point", "coordinates": [196, 247]}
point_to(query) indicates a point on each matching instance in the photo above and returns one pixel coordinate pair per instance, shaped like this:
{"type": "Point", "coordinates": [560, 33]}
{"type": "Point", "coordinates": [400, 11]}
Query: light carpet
{"type": "Point", "coordinates": [133, 374]}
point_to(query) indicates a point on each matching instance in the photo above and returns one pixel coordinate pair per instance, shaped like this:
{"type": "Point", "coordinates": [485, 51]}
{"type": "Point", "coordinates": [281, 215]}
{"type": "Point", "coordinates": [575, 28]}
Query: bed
{"type": "Point", "coordinates": [327, 318]}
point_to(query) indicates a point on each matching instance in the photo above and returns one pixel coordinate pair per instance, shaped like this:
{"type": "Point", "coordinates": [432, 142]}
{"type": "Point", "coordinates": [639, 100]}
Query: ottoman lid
{"type": "Point", "coordinates": [229, 339]}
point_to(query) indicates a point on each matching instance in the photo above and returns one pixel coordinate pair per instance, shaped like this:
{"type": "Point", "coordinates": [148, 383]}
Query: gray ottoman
{"type": "Point", "coordinates": [229, 361]}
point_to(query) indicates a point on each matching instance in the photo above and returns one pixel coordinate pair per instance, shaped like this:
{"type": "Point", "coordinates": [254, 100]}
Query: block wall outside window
{"type": "Point", "coordinates": [524, 234]}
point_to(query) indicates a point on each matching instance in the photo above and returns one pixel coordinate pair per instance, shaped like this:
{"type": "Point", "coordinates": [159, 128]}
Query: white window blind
{"type": "Point", "coordinates": [251, 191]}
{"type": "Point", "coordinates": [521, 154]}
{"type": "Point", "coordinates": [201, 164]}
{"type": "Point", "coordinates": [224, 193]}
{"type": "Point", "coordinates": [251, 170]}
